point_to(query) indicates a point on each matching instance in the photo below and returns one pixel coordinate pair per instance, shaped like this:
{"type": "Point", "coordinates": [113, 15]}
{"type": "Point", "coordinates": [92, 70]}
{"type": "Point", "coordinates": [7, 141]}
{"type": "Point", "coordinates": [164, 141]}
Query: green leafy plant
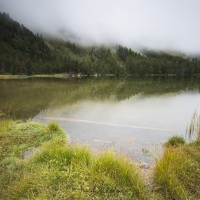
{"type": "Point", "coordinates": [175, 141]}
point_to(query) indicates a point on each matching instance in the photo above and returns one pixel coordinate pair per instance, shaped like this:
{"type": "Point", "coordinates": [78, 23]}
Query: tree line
{"type": "Point", "coordinates": [23, 52]}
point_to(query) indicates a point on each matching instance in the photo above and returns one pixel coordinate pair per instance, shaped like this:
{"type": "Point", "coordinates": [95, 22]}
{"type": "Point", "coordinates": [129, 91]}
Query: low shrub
{"type": "Point", "coordinates": [175, 141]}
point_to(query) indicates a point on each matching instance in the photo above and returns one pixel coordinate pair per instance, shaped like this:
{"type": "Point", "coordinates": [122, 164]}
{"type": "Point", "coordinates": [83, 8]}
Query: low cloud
{"type": "Point", "coordinates": [157, 24]}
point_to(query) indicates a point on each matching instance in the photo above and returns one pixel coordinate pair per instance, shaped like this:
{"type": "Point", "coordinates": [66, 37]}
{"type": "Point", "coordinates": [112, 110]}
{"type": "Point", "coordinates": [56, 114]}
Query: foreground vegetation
{"type": "Point", "coordinates": [177, 173]}
{"type": "Point", "coordinates": [59, 170]}
{"type": "Point", "coordinates": [37, 162]}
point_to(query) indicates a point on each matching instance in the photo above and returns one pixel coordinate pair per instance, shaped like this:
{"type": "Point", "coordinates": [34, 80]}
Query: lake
{"type": "Point", "coordinates": [131, 115]}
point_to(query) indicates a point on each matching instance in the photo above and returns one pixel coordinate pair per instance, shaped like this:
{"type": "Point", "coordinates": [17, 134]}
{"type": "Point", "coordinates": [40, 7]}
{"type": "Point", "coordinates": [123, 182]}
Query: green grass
{"type": "Point", "coordinates": [15, 138]}
{"type": "Point", "coordinates": [177, 172]}
{"type": "Point", "coordinates": [10, 76]}
{"type": "Point", "coordinates": [60, 170]}
{"type": "Point", "coordinates": [175, 141]}
{"type": "Point", "coordinates": [24, 76]}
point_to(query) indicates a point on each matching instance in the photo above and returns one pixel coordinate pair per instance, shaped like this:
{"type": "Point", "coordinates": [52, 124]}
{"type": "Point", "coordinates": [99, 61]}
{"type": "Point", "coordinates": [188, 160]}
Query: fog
{"type": "Point", "coordinates": [156, 24]}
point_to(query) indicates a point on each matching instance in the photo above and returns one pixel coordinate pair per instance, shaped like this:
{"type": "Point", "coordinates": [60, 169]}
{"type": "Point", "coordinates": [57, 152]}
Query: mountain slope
{"type": "Point", "coordinates": [22, 52]}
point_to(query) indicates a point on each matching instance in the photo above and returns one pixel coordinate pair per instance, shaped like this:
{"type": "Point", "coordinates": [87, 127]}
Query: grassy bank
{"type": "Point", "coordinates": [177, 173]}
{"type": "Point", "coordinates": [23, 76]}
{"type": "Point", "coordinates": [58, 170]}
{"type": "Point", "coordinates": [37, 162]}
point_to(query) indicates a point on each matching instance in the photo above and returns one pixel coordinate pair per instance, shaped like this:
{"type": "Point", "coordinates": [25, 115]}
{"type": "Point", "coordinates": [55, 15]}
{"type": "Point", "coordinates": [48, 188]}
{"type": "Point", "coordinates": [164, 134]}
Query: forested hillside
{"type": "Point", "coordinates": [23, 52]}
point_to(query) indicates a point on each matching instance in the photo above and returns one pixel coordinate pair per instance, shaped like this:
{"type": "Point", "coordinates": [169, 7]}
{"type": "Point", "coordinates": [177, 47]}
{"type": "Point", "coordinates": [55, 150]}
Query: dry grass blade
{"type": "Point", "coordinates": [193, 129]}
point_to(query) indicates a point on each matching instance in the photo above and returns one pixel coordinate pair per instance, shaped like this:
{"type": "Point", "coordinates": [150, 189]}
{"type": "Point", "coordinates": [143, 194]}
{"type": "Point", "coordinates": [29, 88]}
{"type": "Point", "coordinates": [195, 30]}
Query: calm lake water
{"type": "Point", "coordinates": [131, 115]}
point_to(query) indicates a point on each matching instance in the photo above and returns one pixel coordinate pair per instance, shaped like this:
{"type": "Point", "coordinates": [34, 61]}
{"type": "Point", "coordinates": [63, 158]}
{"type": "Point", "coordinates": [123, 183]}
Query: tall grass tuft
{"type": "Point", "coordinates": [175, 141]}
{"type": "Point", "coordinates": [177, 172]}
{"type": "Point", "coordinates": [57, 152]}
{"type": "Point", "coordinates": [166, 175]}
{"type": "Point", "coordinates": [55, 130]}
{"type": "Point", "coordinates": [193, 130]}
{"type": "Point", "coordinates": [123, 172]}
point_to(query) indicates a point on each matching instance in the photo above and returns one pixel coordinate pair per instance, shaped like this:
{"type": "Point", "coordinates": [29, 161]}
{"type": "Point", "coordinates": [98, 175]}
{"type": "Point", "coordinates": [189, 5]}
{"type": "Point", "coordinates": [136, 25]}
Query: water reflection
{"type": "Point", "coordinates": [130, 125]}
{"type": "Point", "coordinates": [128, 114]}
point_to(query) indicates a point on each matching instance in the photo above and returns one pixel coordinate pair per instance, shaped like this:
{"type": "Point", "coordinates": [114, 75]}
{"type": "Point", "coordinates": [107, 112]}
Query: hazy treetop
{"type": "Point", "coordinates": [159, 24]}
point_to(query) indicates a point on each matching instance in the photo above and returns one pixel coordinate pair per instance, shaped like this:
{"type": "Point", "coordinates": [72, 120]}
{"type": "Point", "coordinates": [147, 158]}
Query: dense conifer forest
{"type": "Point", "coordinates": [23, 52]}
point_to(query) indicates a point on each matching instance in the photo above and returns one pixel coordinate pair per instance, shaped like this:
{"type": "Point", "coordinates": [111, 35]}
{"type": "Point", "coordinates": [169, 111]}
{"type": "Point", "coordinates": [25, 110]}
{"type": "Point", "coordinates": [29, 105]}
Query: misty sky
{"type": "Point", "coordinates": [158, 24]}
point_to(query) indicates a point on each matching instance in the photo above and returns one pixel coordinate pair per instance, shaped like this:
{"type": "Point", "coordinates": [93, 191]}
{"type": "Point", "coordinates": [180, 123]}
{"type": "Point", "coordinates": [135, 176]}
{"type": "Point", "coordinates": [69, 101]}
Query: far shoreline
{"type": "Point", "coordinates": [79, 75]}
